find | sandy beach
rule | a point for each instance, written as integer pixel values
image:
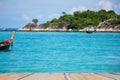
(60, 76)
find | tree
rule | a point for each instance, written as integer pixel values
(80, 20)
(77, 15)
(111, 14)
(35, 21)
(64, 13)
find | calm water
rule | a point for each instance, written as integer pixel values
(61, 52)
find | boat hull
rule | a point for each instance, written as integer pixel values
(5, 44)
(89, 31)
(5, 47)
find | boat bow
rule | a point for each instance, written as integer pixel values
(6, 44)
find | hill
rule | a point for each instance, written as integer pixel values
(99, 20)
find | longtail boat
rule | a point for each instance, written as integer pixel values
(89, 31)
(4, 45)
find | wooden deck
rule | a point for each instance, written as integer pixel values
(60, 76)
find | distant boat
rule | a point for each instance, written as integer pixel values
(89, 31)
(4, 45)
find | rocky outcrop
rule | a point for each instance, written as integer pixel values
(62, 25)
(108, 26)
(28, 27)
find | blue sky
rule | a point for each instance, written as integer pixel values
(16, 13)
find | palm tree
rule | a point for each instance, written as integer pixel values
(35, 21)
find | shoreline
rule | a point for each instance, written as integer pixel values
(55, 31)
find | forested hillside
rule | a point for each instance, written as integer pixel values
(79, 20)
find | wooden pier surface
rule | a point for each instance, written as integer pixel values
(60, 76)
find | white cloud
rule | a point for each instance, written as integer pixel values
(105, 4)
(25, 17)
(38, 17)
(80, 8)
(53, 16)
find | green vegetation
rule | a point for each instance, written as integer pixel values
(80, 20)
(35, 21)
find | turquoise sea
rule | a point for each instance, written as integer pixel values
(61, 52)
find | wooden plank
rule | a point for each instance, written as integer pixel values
(59, 76)
(11, 76)
(45, 76)
(111, 76)
(76, 76)
(86, 76)
(98, 77)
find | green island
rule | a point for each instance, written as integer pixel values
(101, 20)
